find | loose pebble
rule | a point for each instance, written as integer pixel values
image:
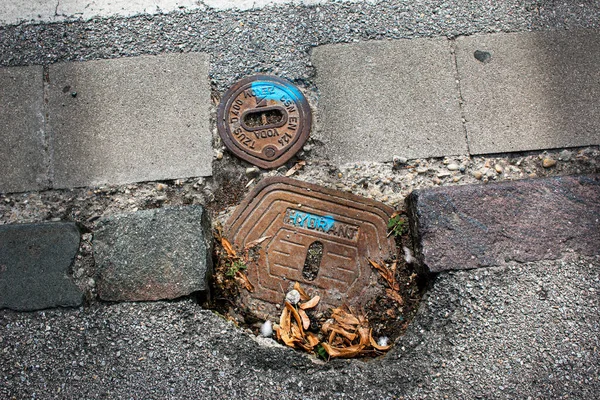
(400, 160)
(292, 297)
(266, 329)
(548, 162)
(498, 168)
(477, 175)
(453, 167)
(252, 171)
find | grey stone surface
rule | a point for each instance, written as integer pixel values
(538, 90)
(470, 226)
(133, 119)
(22, 147)
(383, 98)
(517, 331)
(35, 262)
(153, 254)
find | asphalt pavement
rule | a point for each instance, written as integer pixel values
(517, 331)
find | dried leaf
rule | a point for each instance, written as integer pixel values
(313, 340)
(344, 317)
(228, 248)
(306, 346)
(256, 242)
(310, 304)
(305, 319)
(297, 333)
(246, 282)
(287, 339)
(295, 168)
(395, 296)
(348, 335)
(393, 268)
(285, 320)
(386, 274)
(277, 330)
(344, 352)
(375, 345)
(303, 295)
(332, 335)
(327, 325)
(364, 334)
(296, 316)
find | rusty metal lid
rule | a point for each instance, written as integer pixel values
(319, 237)
(264, 120)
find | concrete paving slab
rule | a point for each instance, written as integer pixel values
(153, 254)
(538, 90)
(384, 98)
(471, 226)
(34, 265)
(130, 119)
(22, 143)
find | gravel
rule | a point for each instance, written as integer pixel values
(515, 331)
(278, 39)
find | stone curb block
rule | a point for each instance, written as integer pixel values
(35, 260)
(153, 254)
(471, 226)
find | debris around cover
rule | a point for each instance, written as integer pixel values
(345, 334)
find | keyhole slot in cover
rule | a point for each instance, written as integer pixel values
(313, 261)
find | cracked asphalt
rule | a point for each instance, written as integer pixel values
(516, 331)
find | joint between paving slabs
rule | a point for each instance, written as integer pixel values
(47, 135)
(461, 100)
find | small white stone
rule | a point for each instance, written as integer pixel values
(251, 171)
(408, 256)
(383, 341)
(293, 297)
(266, 329)
(453, 167)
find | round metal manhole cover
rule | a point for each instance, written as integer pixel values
(264, 120)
